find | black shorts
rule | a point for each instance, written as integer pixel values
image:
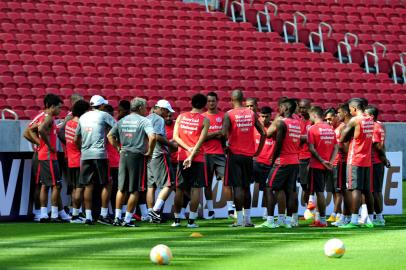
(215, 164)
(283, 177)
(193, 177)
(94, 171)
(160, 173)
(73, 177)
(318, 179)
(260, 174)
(49, 174)
(239, 170)
(132, 172)
(35, 170)
(304, 174)
(359, 178)
(378, 171)
(340, 177)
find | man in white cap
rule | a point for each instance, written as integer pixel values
(160, 174)
(90, 136)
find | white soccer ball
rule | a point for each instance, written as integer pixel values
(334, 248)
(160, 254)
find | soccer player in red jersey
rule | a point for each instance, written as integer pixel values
(285, 163)
(73, 156)
(359, 159)
(379, 160)
(43, 133)
(214, 153)
(190, 132)
(323, 146)
(238, 127)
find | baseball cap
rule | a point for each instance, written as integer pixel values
(97, 100)
(164, 104)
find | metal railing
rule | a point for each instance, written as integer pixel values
(340, 54)
(320, 35)
(294, 25)
(268, 21)
(3, 114)
(354, 36)
(241, 4)
(375, 47)
(394, 74)
(375, 56)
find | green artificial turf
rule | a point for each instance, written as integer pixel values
(73, 246)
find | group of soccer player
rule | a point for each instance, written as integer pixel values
(122, 163)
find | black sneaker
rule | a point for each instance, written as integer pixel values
(44, 220)
(89, 222)
(128, 224)
(210, 215)
(56, 220)
(82, 216)
(76, 219)
(117, 222)
(155, 217)
(105, 220)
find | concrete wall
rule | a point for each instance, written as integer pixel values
(11, 139)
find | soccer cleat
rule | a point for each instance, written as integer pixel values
(89, 222)
(249, 225)
(236, 225)
(191, 226)
(266, 224)
(368, 225)
(76, 219)
(55, 220)
(105, 220)
(295, 223)
(349, 226)
(311, 206)
(231, 214)
(136, 217)
(128, 224)
(286, 225)
(210, 215)
(44, 219)
(155, 217)
(145, 218)
(117, 221)
(332, 219)
(318, 224)
(379, 223)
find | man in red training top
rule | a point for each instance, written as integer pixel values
(190, 132)
(238, 127)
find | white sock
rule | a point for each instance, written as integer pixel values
(270, 219)
(323, 220)
(230, 206)
(281, 218)
(104, 212)
(311, 198)
(182, 211)
(44, 212)
(118, 213)
(247, 215)
(149, 210)
(193, 215)
(210, 205)
(144, 210)
(354, 218)
(54, 211)
(89, 214)
(379, 217)
(177, 215)
(334, 214)
(63, 214)
(295, 217)
(124, 208)
(317, 216)
(364, 211)
(240, 217)
(36, 212)
(371, 218)
(128, 217)
(80, 210)
(342, 218)
(288, 220)
(158, 205)
(347, 219)
(75, 212)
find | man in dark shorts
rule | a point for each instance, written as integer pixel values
(379, 161)
(160, 174)
(281, 183)
(73, 155)
(214, 152)
(190, 132)
(129, 137)
(359, 131)
(91, 136)
(238, 127)
(323, 146)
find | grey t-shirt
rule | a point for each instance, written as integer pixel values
(131, 132)
(93, 127)
(158, 123)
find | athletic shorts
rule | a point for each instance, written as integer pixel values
(239, 170)
(94, 171)
(283, 177)
(49, 174)
(132, 172)
(358, 178)
(377, 175)
(160, 173)
(340, 177)
(318, 179)
(215, 164)
(193, 177)
(304, 173)
(73, 177)
(260, 174)
(35, 168)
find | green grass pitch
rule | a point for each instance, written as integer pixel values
(73, 246)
